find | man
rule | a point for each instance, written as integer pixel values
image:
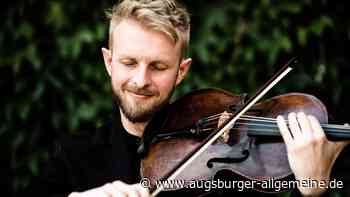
(146, 61)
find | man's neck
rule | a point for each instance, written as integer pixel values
(133, 128)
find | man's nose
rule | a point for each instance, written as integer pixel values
(142, 76)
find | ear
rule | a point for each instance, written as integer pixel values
(183, 69)
(107, 57)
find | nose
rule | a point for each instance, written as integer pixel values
(141, 77)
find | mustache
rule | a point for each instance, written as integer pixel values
(146, 90)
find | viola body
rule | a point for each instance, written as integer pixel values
(253, 152)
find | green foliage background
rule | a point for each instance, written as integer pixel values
(54, 83)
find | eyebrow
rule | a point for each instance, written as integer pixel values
(160, 62)
(127, 57)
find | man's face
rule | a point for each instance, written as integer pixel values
(145, 67)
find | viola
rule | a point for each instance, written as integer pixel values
(254, 150)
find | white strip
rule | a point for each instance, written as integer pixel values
(227, 127)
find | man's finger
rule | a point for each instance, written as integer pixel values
(127, 189)
(111, 191)
(294, 126)
(284, 130)
(316, 127)
(304, 123)
(142, 191)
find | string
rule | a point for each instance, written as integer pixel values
(275, 127)
(267, 129)
(264, 120)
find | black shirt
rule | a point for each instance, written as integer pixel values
(99, 157)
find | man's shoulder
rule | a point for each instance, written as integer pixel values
(84, 141)
(75, 162)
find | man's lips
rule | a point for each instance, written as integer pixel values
(139, 95)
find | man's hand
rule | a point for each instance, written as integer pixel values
(311, 156)
(115, 189)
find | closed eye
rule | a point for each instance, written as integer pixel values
(128, 62)
(159, 66)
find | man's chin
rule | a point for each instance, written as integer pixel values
(144, 112)
(138, 116)
(145, 108)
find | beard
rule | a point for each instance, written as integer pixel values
(140, 111)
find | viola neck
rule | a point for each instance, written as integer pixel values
(333, 132)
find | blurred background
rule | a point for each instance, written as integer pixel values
(53, 81)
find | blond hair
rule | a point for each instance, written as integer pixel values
(166, 16)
